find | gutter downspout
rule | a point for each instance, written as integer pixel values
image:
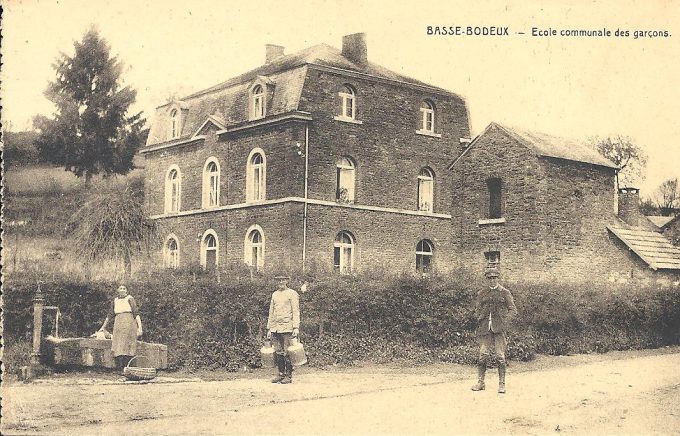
(304, 214)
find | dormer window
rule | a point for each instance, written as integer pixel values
(427, 116)
(348, 99)
(257, 102)
(175, 127)
(427, 123)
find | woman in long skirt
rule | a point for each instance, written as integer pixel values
(127, 327)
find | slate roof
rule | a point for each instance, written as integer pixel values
(553, 146)
(228, 100)
(660, 220)
(228, 103)
(650, 246)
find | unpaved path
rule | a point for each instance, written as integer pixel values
(620, 393)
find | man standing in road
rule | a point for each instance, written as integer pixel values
(283, 325)
(495, 309)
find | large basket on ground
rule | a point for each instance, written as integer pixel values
(137, 373)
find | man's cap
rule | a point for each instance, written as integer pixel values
(491, 272)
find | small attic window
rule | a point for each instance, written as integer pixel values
(175, 126)
(427, 116)
(348, 98)
(257, 102)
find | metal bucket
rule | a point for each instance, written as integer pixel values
(267, 355)
(296, 353)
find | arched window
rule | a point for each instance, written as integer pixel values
(173, 190)
(427, 116)
(256, 176)
(171, 252)
(425, 190)
(175, 127)
(348, 99)
(344, 180)
(424, 254)
(209, 250)
(257, 102)
(343, 253)
(211, 183)
(495, 188)
(253, 254)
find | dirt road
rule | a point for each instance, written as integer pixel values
(617, 393)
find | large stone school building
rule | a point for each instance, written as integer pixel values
(324, 161)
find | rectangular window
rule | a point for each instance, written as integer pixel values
(349, 108)
(494, 187)
(342, 259)
(211, 260)
(423, 262)
(345, 184)
(174, 204)
(213, 191)
(425, 194)
(493, 258)
(257, 177)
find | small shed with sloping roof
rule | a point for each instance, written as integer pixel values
(654, 249)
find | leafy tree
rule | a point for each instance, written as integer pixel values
(112, 223)
(648, 207)
(19, 148)
(629, 157)
(668, 196)
(91, 132)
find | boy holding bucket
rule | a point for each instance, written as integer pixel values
(283, 325)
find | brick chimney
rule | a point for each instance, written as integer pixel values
(629, 206)
(272, 52)
(354, 48)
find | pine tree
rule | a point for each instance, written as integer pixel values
(91, 131)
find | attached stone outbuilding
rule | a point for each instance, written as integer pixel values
(543, 207)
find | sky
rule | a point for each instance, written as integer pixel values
(575, 87)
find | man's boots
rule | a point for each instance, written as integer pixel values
(288, 373)
(280, 363)
(501, 378)
(481, 369)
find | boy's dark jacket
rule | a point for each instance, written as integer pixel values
(500, 304)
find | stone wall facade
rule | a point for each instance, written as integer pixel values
(554, 216)
(388, 152)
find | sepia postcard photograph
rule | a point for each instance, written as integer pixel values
(333, 217)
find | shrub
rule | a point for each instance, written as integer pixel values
(350, 319)
(15, 354)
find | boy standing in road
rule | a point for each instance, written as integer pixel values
(495, 310)
(283, 325)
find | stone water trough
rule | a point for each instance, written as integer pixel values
(93, 352)
(88, 352)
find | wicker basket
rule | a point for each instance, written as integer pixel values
(138, 373)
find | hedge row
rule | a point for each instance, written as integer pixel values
(349, 319)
